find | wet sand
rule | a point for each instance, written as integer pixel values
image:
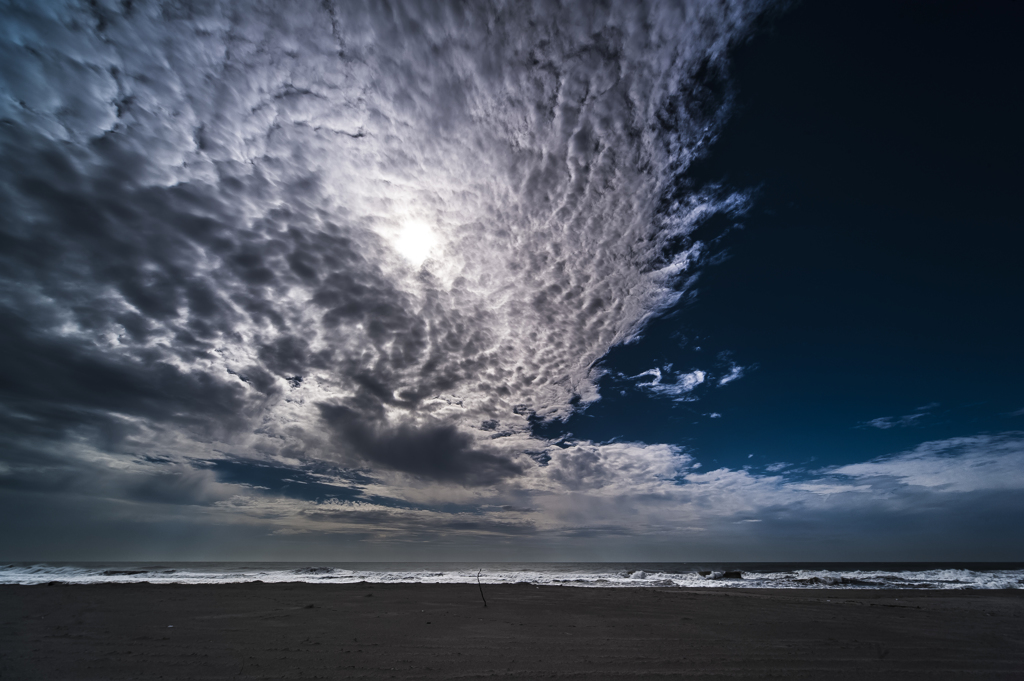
(308, 631)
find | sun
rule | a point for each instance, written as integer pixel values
(415, 240)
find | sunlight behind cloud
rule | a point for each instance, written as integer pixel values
(415, 241)
(409, 248)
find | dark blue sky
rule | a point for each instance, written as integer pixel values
(878, 273)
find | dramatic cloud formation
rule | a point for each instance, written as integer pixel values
(378, 240)
(322, 267)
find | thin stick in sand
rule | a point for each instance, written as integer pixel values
(480, 586)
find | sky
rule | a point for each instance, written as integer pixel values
(511, 281)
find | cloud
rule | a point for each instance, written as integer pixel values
(827, 489)
(321, 269)
(240, 241)
(679, 389)
(438, 452)
(887, 422)
(735, 372)
(965, 464)
(54, 473)
(659, 490)
(318, 270)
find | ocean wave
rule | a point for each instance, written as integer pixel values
(580, 576)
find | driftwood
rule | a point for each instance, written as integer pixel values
(480, 586)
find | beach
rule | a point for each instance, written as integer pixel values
(443, 631)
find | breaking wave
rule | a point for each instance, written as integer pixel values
(561, 574)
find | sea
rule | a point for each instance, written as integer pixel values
(955, 576)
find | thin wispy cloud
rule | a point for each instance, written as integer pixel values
(735, 372)
(887, 422)
(964, 464)
(678, 388)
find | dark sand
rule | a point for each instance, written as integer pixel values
(308, 631)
